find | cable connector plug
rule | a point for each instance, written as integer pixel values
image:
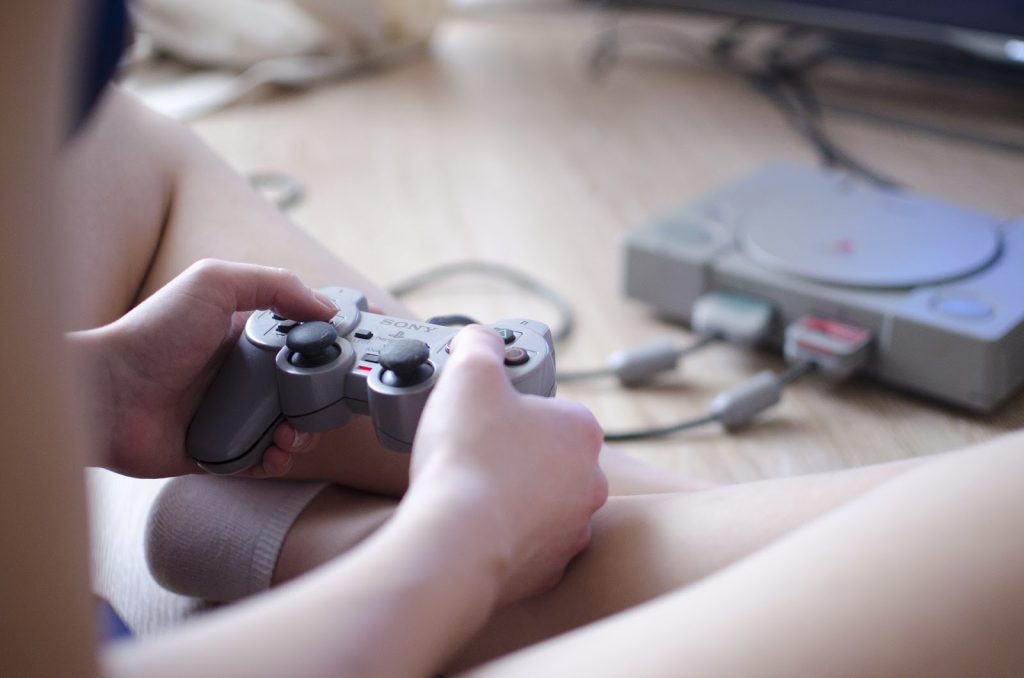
(836, 348)
(735, 317)
(736, 407)
(639, 364)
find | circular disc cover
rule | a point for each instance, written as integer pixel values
(887, 240)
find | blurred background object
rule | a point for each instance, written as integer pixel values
(192, 56)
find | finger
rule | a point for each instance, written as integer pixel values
(290, 439)
(247, 287)
(477, 358)
(476, 341)
(275, 463)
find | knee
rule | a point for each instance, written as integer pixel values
(219, 538)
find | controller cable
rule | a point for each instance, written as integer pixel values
(566, 317)
(779, 78)
(812, 343)
(639, 364)
(733, 409)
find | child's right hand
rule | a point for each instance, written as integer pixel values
(524, 467)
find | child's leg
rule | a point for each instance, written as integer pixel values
(922, 574)
(643, 546)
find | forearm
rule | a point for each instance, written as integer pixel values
(399, 605)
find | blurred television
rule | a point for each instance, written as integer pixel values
(991, 29)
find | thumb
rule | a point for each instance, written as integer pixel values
(477, 359)
(248, 287)
(476, 342)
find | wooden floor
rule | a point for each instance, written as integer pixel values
(499, 146)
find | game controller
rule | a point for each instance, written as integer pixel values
(317, 375)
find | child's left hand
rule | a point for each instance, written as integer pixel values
(148, 370)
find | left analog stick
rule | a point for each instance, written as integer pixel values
(313, 344)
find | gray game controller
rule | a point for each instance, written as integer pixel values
(317, 375)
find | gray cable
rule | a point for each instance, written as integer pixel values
(733, 409)
(510, 275)
(648, 433)
(639, 364)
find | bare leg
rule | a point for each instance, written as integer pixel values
(643, 546)
(339, 517)
(919, 576)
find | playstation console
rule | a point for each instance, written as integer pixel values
(939, 287)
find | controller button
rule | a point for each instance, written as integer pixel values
(507, 335)
(405, 363)
(286, 327)
(277, 317)
(363, 334)
(962, 305)
(371, 358)
(313, 344)
(515, 356)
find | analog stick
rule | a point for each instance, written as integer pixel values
(405, 363)
(313, 344)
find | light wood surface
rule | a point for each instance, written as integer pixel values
(498, 146)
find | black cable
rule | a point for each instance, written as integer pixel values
(780, 80)
(1000, 144)
(794, 99)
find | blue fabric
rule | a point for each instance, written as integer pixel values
(106, 35)
(109, 623)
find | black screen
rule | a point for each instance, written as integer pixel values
(919, 19)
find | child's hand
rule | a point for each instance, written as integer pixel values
(522, 468)
(148, 370)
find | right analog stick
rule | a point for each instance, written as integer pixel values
(405, 363)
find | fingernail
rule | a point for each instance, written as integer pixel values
(325, 301)
(300, 440)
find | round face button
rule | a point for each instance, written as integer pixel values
(515, 356)
(507, 335)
